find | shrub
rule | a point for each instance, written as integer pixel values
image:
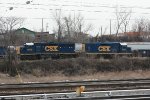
(75, 66)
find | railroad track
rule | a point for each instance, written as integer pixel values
(70, 86)
(136, 94)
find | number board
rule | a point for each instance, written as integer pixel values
(51, 48)
(104, 48)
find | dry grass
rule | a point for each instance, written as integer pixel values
(76, 69)
(4, 78)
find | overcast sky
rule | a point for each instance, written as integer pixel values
(96, 12)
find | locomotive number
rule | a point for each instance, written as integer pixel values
(51, 48)
(104, 48)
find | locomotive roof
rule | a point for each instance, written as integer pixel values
(139, 45)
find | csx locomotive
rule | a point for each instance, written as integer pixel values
(63, 50)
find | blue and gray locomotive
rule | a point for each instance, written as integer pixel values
(65, 50)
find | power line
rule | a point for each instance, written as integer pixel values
(66, 1)
(63, 5)
(39, 18)
(79, 5)
(69, 1)
(79, 10)
(73, 10)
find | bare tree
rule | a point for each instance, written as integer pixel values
(7, 27)
(139, 25)
(8, 38)
(72, 29)
(68, 24)
(127, 21)
(59, 29)
(80, 28)
(123, 18)
(148, 31)
(142, 28)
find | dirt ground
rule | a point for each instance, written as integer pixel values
(4, 78)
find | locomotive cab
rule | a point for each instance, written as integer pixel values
(124, 48)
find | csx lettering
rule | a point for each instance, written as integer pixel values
(51, 48)
(104, 48)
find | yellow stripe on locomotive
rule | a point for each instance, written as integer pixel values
(51, 48)
(18, 50)
(104, 48)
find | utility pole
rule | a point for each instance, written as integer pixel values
(101, 33)
(42, 25)
(110, 26)
(101, 30)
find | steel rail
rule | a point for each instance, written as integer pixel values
(137, 94)
(133, 97)
(71, 86)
